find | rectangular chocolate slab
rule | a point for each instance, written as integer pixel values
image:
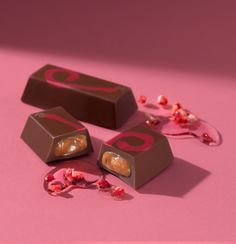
(87, 98)
(54, 135)
(136, 155)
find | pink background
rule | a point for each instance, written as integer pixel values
(184, 49)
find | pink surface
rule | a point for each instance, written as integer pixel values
(185, 51)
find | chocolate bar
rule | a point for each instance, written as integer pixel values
(136, 155)
(87, 98)
(54, 134)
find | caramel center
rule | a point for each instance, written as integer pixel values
(70, 145)
(116, 163)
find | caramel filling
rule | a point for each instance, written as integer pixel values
(70, 145)
(116, 163)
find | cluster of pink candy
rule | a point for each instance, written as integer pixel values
(115, 191)
(182, 116)
(179, 115)
(75, 179)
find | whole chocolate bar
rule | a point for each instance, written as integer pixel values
(54, 134)
(87, 98)
(136, 155)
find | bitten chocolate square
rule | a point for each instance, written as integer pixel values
(87, 98)
(54, 135)
(136, 155)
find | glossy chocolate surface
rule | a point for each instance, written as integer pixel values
(87, 98)
(54, 135)
(146, 152)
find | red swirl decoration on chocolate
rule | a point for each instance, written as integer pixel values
(148, 141)
(60, 119)
(72, 76)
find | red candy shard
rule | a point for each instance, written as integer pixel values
(142, 99)
(151, 120)
(73, 176)
(180, 116)
(103, 184)
(49, 178)
(68, 175)
(77, 175)
(162, 100)
(191, 118)
(205, 138)
(118, 192)
(56, 187)
(175, 107)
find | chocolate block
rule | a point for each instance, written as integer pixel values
(54, 134)
(87, 98)
(136, 155)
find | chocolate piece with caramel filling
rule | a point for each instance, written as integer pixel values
(136, 155)
(54, 135)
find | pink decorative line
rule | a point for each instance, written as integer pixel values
(123, 145)
(60, 119)
(204, 138)
(72, 76)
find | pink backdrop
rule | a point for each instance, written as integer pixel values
(184, 49)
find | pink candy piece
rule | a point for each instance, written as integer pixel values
(142, 99)
(103, 184)
(118, 192)
(162, 100)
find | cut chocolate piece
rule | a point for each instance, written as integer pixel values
(136, 155)
(54, 134)
(87, 98)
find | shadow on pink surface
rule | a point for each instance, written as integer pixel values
(183, 35)
(178, 180)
